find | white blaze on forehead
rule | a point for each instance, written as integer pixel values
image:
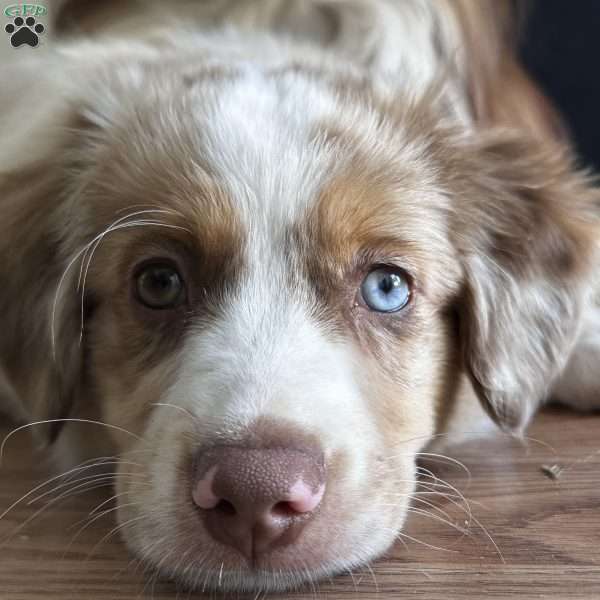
(264, 137)
(260, 142)
(267, 356)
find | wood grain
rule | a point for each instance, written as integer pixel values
(547, 531)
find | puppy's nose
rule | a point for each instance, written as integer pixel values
(258, 499)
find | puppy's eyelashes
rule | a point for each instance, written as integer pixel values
(159, 286)
(386, 289)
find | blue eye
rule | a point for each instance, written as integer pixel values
(386, 289)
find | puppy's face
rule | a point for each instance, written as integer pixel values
(276, 268)
(269, 318)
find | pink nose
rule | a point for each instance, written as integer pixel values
(257, 499)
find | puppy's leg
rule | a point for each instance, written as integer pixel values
(579, 384)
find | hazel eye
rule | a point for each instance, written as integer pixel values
(159, 286)
(386, 289)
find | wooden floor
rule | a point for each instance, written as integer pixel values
(545, 531)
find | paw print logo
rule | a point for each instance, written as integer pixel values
(24, 31)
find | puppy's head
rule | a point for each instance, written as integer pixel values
(274, 280)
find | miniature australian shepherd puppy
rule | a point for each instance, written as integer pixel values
(277, 246)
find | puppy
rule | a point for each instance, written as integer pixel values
(277, 248)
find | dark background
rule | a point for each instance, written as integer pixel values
(560, 46)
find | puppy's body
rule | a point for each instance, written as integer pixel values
(272, 165)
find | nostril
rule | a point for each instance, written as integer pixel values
(225, 508)
(284, 510)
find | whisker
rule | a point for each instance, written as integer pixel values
(98, 476)
(457, 493)
(432, 506)
(368, 567)
(112, 532)
(79, 468)
(413, 539)
(171, 211)
(351, 574)
(144, 555)
(49, 421)
(96, 518)
(482, 433)
(580, 461)
(156, 571)
(180, 408)
(489, 537)
(43, 509)
(443, 458)
(425, 513)
(126, 225)
(111, 499)
(472, 517)
(83, 253)
(110, 228)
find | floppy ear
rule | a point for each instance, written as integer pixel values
(526, 223)
(40, 356)
(526, 232)
(39, 346)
